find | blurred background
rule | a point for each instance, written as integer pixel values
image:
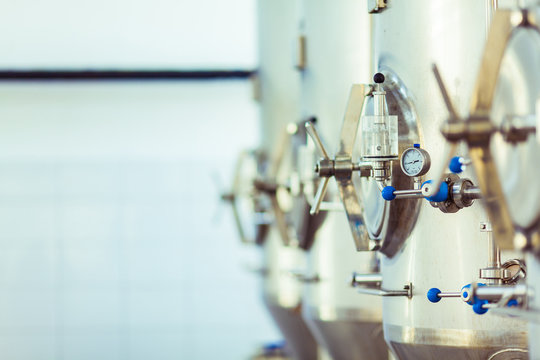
(113, 244)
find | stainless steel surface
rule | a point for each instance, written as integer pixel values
(300, 341)
(384, 220)
(279, 106)
(426, 344)
(282, 294)
(443, 250)
(409, 194)
(341, 319)
(331, 306)
(493, 273)
(366, 340)
(407, 291)
(366, 279)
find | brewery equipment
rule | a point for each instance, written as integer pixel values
(347, 324)
(278, 93)
(436, 201)
(411, 234)
(499, 132)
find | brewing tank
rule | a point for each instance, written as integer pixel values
(443, 250)
(278, 86)
(337, 42)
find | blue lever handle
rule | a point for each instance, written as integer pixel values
(456, 165)
(478, 307)
(441, 195)
(433, 295)
(388, 193)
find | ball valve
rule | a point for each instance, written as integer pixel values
(500, 287)
(452, 194)
(482, 297)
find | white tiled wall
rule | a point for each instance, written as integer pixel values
(111, 242)
(128, 34)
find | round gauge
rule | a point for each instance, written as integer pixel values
(415, 161)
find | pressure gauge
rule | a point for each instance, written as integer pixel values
(415, 161)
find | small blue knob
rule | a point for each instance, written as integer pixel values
(512, 302)
(478, 307)
(440, 196)
(456, 165)
(416, 146)
(433, 295)
(280, 344)
(388, 193)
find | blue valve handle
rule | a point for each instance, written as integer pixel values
(388, 193)
(478, 307)
(433, 295)
(477, 304)
(456, 165)
(441, 195)
(512, 302)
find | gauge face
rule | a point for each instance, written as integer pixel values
(415, 162)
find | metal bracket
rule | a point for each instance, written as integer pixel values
(307, 279)
(407, 291)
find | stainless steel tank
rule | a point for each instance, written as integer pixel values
(443, 250)
(337, 43)
(279, 94)
(515, 114)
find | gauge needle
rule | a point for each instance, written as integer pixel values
(412, 162)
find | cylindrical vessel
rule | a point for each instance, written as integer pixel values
(279, 84)
(443, 250)
(346, 323)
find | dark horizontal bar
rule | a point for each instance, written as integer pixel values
(98, 75)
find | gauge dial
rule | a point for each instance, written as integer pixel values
(415, 161)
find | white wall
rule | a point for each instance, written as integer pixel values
(109, 243)
(127, 33)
